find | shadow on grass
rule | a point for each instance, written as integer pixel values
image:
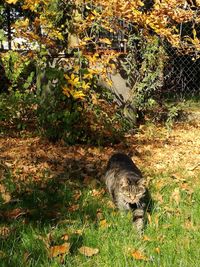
(51, 200)
(37, 208)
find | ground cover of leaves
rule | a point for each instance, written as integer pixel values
(45, 185)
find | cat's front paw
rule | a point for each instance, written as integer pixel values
(138, 219)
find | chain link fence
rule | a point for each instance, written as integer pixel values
(182, 71)
(182, 75)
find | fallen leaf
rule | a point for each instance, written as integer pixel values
(189, 225)
(2, 254)
(73, 208)
(78, 232)
(187, 188)
(111, 204)
(176, 196)
(97, 193)
(91, 182)
(87, 251)
(156, 221)
(149, 218)
(178, 177)
(99, 214)
(4, 194)
(59, 250)
(65, 237)
(14, 214)
(157, 250)
(138, 255)
(158, 197)
(146, 238)
(103, 224)
(77, 195)
(6, 197)
(160, 184)
(26, 257)
(4, 231)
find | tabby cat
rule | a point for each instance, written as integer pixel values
(126, 186)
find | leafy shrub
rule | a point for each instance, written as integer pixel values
(17, 109)
(19, 69)
(104, 119)
(72, 107)
(143, 67)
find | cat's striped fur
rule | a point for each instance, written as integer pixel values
(126, 186)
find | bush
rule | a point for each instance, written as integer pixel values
(144, 67)
(19, 70)
(72, 107)
(18, 109)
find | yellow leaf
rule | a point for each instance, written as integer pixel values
(78, 95)
(149, 218)
(59, 250)
(194, 33)
(103, 223)
(66, 77)
(85, 86)
(88, 76)
(11, 1)
(146, 238)
(76, 79)
(157, 250)
(66, 91)
(87, 251)
(105, 41)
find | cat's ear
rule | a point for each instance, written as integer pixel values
(124, 182)
(141, 182)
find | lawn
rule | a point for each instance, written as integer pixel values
(56, 212)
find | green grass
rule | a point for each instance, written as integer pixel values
(171, 237)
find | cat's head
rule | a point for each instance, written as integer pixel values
(132, 191)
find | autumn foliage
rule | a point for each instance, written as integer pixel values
(83, 31)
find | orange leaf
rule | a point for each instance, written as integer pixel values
(103, 223)
(87, 251)
(97, 193)
(137, 255)
(73, 208)
(59, 250)
(14, 214)
(77, 195)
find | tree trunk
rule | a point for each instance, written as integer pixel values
(9, 35)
